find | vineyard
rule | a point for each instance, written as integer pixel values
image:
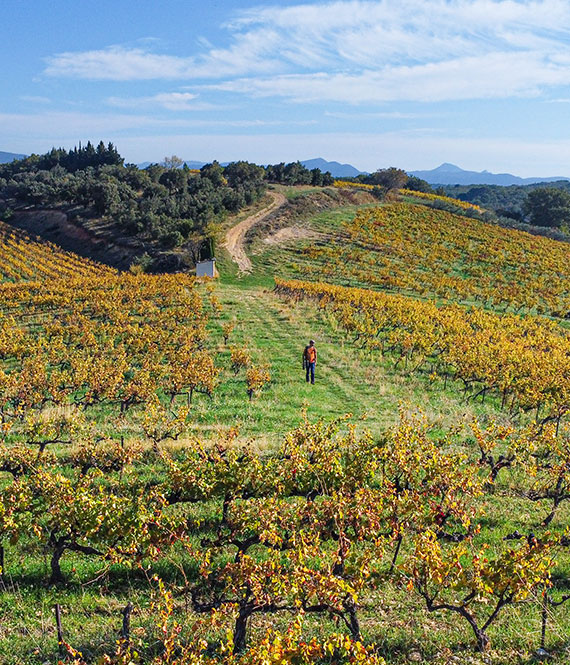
(525, 360)
(417, 250)
(173, 492)
(22, 259)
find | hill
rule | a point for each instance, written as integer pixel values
(416, 250)
(23, 259)
(508, 202)
(336, 169)
(449, 174)
(166, 218)
(6, 157)
(108, 211)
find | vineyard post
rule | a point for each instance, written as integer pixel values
(60, 645)
(544, 618)
(396, 552)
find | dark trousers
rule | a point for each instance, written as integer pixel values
(311, 371)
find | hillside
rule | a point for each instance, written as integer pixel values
(416, 250)
(161, 448)
(23, 258)
(497, 197)
(163, 218)
(87, 200)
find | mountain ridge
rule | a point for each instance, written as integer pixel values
(336, 169)
(450, 174)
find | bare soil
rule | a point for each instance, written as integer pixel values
(301, 208)
(235, 236)
(290, 233)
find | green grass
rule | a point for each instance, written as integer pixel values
(349, 379)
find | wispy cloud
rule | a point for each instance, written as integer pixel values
(359, 51)
(491, 76)
(252, 54)
(57, 124)
(35, 99)
(171, 101)
(117, 63)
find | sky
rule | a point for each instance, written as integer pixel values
(484, 84)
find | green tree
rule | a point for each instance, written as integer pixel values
(547, 206)
(391, 178)
(418, 185)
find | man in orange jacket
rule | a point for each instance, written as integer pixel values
(310, 360)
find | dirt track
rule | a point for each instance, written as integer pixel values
(236, 235)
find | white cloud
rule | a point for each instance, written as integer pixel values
(57, 124)
(495, 75)
(35, 99)
(353, 35)
(252, 54)
(171, 101)
(117, 64)
(388, 31)
(355, 52)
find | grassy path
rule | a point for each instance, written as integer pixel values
(348, 379)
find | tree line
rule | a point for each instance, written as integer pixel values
(536, 205)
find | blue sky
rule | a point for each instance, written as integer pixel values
(484, 84)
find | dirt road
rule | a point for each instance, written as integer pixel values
(236, 235)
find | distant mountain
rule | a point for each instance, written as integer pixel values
(449, 174)
(6, 157)
(336, 169)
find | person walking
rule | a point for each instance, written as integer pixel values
(310, 360)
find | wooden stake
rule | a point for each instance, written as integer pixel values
(61, 648)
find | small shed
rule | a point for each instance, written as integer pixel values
(207, 268)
